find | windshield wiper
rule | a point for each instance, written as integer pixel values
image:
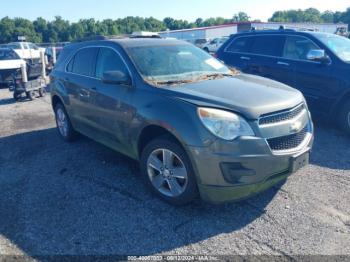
(173, 82)
(215, 75)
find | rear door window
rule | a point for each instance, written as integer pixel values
(269, 45)
(83, 62)
(297, 47)
(109, 60)
(240, 45)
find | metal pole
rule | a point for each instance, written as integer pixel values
(54, 58)
(24, 73)
(43, 65)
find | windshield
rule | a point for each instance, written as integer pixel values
(175, 63)
(8, 55)
(339, 45)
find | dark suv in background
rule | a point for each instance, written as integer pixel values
(317, 64)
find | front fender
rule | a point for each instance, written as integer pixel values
(178, 117)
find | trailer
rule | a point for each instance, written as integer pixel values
(30, 88)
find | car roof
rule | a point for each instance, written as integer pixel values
(130, 42)
(136, 42)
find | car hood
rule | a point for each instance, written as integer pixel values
(249, 95)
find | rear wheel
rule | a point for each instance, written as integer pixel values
(167, 171)
(344, 118)
(206, 49)
(42, 92)
(30, 95)
(64, 126)
(16, 96)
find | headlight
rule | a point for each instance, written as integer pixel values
(224, 124)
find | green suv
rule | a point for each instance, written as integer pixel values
(196, 126)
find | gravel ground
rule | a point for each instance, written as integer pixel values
(84, 199)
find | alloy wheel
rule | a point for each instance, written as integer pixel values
(62, 122)
(167, 172)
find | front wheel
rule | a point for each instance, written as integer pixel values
(64, 126)
(344, 118)
(167, 171)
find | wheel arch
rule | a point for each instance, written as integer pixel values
(339, 104)
(153, 131)
(55, 99)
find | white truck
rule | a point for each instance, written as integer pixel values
(12, 67)
(9, 63)
(26, 50)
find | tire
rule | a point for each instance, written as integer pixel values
(42, 92)
(30, 95)
(16, 96)
(344, 118)
(206, 49)
(174, 181)
(64, 125)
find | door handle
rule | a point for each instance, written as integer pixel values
(282, 63)
(93, 88)
(245, 58)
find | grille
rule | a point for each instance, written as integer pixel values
(287, 142)
(282, 116)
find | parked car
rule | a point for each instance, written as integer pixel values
(9, 63)
(317, 64)
(26, 50)
(200, 42)
(193, 124)
(214, 45)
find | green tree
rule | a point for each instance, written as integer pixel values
(327, 17)
(241, 17)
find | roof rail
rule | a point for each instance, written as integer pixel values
(254, 29)
(101, 38)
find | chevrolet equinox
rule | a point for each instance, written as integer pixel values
(196, 126)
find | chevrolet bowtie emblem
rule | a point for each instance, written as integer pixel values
(295, 127)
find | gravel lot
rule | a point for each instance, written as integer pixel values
(84, 199)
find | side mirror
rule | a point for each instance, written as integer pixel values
(318, 55)
(116, 78)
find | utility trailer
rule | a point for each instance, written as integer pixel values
(24, 87)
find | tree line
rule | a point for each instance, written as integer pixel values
(61, 30)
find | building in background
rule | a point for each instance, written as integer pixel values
(193, 34)
(208, 33)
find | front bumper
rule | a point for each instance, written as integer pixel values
(231, 171)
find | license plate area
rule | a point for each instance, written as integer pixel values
(299, 162)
